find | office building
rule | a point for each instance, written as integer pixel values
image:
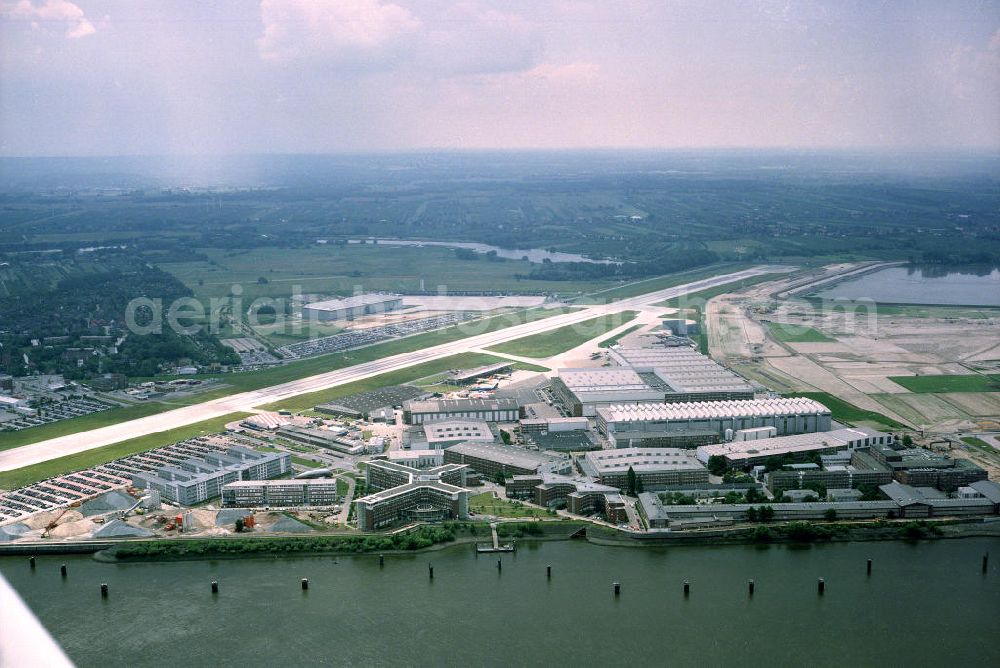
(442, 433)
(408, 494)
(435, 410)
(491, 459)
(654, 468)
(280, 493)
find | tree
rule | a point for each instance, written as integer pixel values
(262, 280)
(753, 496)
(505, 436)
(830, 515)
(239, 525)
(907, 441)
(766, 513)
(752, 514)
(717, 465)
(638, 485)
(630, 482)
(500, 477)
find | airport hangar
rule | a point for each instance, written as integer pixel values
(351, 307)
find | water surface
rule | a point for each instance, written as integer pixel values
(968, 286)
(926, 603)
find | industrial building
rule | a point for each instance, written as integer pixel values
(682, 326)
(489, 459)
(443, 433)
(406, 493)
(190, 481)
(583, 391)
(654, 468)
(375, 405)
(744, 453)
(491, 410)
(922, 468)
(861, 471)
(553, 425)
(280, 493)
(351, 307)
(684, 374)
(323, 437)
(707, 422)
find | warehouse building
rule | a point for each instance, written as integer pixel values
(583, 391)
(740, 453)
(408, 494)
(192, 481)
(683, 374)
(490, 459)
(280, 493)
(350, 307)
(706, 422)
(491, 410)
(654, 468)
(553, 425)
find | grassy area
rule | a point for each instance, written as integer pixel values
(306, 401)
(244, 382)
(560, 340)
(30, 474)
(308, 463)
(979, 444)
(944, 383)
(342, 487)
(797, 333)
(848, 412)
(487, 504)
(607, 343)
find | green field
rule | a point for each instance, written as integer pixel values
(979, 444)
(944, 383)
(487, 504)
(235, 383)
(30, 474)
(551, 343)
(797, 334)
(849, 413)
(607, 343)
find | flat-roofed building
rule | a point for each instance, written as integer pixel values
(489, 459)
(469, 376)
(419, 459)
(405, 493)
(351, 307)
(503, 409)
(280, 493)
(705, 422)
(746, 453)
(919, 467)
(441, 433)
(683, 374)
(654, 467)
(583, 391)
(321, 437)
(553, 424)
(861, 471)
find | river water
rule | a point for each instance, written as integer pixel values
(960, 285)
(925, 603)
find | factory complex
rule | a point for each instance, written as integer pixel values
(351, 307)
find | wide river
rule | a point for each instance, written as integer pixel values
(926, 603)
(963, 286)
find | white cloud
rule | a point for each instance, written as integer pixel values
(338, 29)
(60, 11)
(369, 35)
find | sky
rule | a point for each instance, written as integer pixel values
(138, 77)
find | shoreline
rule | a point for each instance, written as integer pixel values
(284, 546)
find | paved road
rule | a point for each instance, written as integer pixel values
(247, 401)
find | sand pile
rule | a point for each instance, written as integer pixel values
(200, 519)
(73, 529)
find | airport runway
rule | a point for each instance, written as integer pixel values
(74, 443)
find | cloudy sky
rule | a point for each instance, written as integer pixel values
(105, 77)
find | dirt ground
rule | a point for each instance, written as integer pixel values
(866, 349)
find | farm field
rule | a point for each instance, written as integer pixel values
(547, 344)
(849, 413)
(948, 383)
(797, 334)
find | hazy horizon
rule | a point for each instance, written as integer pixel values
(319, 77)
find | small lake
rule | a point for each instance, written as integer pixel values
(537, 255)
(969, 286)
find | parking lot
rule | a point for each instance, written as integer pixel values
(55, 411)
